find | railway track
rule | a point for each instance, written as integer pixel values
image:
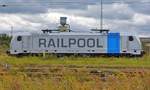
(53, 71)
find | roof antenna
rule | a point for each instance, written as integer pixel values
(101, 16)
(101, 30)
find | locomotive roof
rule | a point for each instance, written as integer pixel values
(71, 33)
(75, 33)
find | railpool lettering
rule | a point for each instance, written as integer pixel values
(81, 43)
(42, 42)
(51, 43)
(91, 43)
(71, 42)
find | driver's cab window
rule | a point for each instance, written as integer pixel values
(131, 38)
(19, 38)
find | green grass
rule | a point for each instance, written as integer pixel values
(78, 61)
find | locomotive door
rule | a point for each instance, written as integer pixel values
(113, 43)
(26, 43)
(124, 44)
(18, 45)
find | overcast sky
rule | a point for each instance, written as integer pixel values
(125, 16)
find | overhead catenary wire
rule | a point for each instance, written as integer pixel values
(75, 1)
(43, 3)
(48, 3)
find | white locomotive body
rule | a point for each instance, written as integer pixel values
(72, 43)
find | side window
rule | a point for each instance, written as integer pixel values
(131, 38)
(19, 38)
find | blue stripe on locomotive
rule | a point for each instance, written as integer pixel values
(113, 43)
